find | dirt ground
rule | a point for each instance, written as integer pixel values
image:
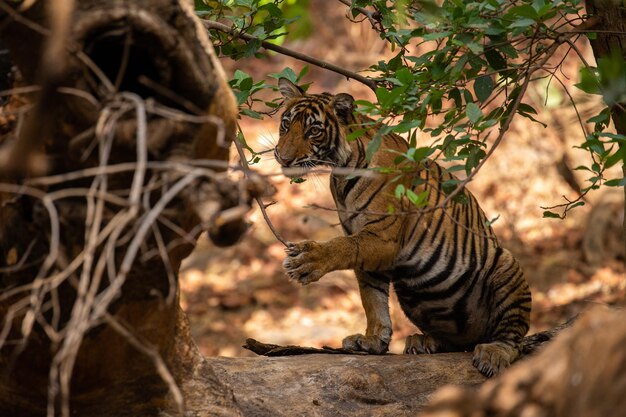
(239, 292)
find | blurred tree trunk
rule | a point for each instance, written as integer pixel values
(71, 313)
(582, 373)
(610, 42)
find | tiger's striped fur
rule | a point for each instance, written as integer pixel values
(452, 278)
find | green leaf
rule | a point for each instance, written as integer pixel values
(287, 73)
(618, 156)
(304, 71)
(603, 117)
(617, 182)
(525, 10)
(495, 60)
(417, 199)
(272, 9)
(252, 113)
(449, 186)
(437, 35)
(373, 146)
(417, 154)
(526, 108)
(404, 76)
(522, 23)
(551, 215)
(616, 137)
(589, 81)
(474, 113)
(483, 87)
(355, 135)
(386, 98)
(455, 94)
(467, 95)
(201, 6)
(400, 190)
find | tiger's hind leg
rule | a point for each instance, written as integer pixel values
(374, 289)
(492, 358)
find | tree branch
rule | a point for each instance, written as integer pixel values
(209, 24)
(373, 17)
(246, 169)
(267, 349)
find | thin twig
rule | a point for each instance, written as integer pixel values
(247, 172)
(373, 17)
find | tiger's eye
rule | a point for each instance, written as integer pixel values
(314, 131)
(284, 125)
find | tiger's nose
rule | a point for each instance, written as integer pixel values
(281, 159)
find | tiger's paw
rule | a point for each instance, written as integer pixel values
(304, 262)
(492, 358)
(370, 344)
(419, 343)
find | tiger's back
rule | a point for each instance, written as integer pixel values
(452, 278)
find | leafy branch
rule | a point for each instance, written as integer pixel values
(460, 74)
(209, 24)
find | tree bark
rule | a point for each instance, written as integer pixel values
(91, 324)
(610, 41)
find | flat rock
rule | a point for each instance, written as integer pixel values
(342, 385)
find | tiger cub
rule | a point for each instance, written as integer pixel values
(452, 278)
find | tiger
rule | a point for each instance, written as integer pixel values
(452, 278)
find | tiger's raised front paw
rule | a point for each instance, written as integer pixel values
(370, 344)
(492, 358)
(305, 262)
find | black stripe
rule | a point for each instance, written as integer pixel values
(372, 196)
(461, 304)
(519, 303)
(367, 203)
(349, 186)
(360, 155)
(380, 219)
(516, 287)
(514, 325)
(443, 275)
(417, 245)
(414, 298)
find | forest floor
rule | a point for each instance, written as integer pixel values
(239, 292)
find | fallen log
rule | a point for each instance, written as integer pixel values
(342, 385)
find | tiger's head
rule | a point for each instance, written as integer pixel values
(312, 130)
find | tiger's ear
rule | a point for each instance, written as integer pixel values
(288, 89)
(343, 105)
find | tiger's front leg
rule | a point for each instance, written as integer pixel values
(308, 261)
(305, 262)
(374, 289)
